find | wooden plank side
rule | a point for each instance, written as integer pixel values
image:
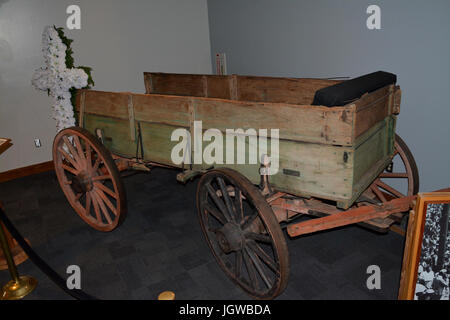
(148, 82)
(372, 149)
(306, 169)
(371, 108)
(218, 87)
(244, 88)
(324, 170)
(302, 123)
(372, 154)
(286, 90)
(170, 110)
(177, 84)
(156, 139)
(112, 104)
(116, 134)
(397, 100)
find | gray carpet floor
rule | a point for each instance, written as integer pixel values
(160, 247)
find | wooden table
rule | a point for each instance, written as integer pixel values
(16, 251)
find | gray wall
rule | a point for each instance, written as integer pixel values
(325, 38)
(118, 39)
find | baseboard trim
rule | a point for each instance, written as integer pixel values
(26, 171)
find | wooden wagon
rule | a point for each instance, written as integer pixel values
(335, 163)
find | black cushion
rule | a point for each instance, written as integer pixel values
(347, 91)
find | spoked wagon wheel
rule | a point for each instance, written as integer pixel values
(243, 233)
(401, 178)
(89, 178)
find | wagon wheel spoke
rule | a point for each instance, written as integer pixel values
(226, 196)
(389, 188)
(102, 207)
(259, 267)
(72, 150)
(249, 220)
(96, 164)
(378, 193)
(251, 270)
(69, 158)
(238, 205)
(105, 189)
(70, 169)
(215, 213)
(238, 264)
(105, 199)
(258, 237)
(96, 209)
(103, 177)
(218, 202)
(79, 147)
(252, 245)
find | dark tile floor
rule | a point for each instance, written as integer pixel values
(160, 247)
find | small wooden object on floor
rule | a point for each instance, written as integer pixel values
(166, 295)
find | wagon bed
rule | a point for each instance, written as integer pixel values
(330, 153)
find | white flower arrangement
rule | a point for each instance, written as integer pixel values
(57, 79)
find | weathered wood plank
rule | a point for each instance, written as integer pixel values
(287, 90)
(371, 109)
(157, 144)
(234, 87)
(397, 100)
(218, 87)
(177, 84)
(116, 133)
(322, 171)
(171, 110)
(303, 123)
(370, 150)
(148, 82)
(112, 104)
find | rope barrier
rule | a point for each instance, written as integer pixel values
(40, 263)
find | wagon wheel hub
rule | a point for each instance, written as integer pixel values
(230, 238)
(82, 182)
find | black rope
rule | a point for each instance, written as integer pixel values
(40, 263)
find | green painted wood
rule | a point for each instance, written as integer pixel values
(310, 162)
(156, 139)
(116, 134)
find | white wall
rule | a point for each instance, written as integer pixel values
(118, 39)
(326, 38)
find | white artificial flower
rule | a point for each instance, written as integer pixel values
(57, 79)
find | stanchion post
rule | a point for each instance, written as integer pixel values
(19, 286)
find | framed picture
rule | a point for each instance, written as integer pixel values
(426, 259)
